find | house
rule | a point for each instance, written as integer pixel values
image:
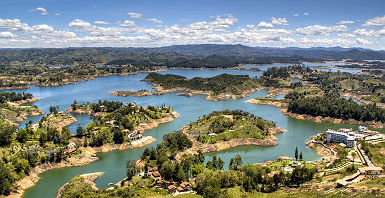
(342, 183)
(362, 129)
(71, 145)
(132, 104)
(70, 151)
(155, 175)
(125, 131)
(370, 170)
(185, 186)
(171, 189)
(134, 135)
(212, 134)
(288, 169)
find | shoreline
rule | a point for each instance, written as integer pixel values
(89, 178)
(23, 114)
(85, 157)
(224, 145)
(268, 101)
(320, 119)
(189, 93)
(87, 153)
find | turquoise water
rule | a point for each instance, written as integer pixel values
(190, 108)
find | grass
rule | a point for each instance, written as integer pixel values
(377, 153)
(378, 183)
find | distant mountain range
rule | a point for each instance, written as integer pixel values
(179, 53)
(241, 50)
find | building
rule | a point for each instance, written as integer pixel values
(362, 129)
(134, 135)
(370, 170)
(345, 136)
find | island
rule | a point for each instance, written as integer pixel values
(216, 88)
(227, 129)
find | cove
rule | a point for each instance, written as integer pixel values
(190, 108)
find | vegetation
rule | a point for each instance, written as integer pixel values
(224, 83)
(13, 96)
(376, 152)
(341, 108)
(226, 125)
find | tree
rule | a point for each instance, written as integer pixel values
(118, 136)
(53, 109)
(296, 153)
(80, 130)
(6, 131)
(300, 156)
(235, 162)
(66, 135)
(200, 157)
(6, 179)
(132, 169)
(21, 136)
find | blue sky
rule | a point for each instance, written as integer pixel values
(152, 23)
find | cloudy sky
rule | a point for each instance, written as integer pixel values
(153, 23)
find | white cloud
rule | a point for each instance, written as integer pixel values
(370, 33)
(265, 24)
(321, 30)
(128, 23)
(346, 35)
(135, 15)
(361, 41)
(296, 14)
(6, 35)
(57, 14)
(345, 22)
(279, 21)
(13, 25)
(377, 21)
(102, 22)
(306, 13)
(154, 20)
(42, 11)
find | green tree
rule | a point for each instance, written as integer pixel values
(132, 169)
(6, 179)
(80, 130)
(300, 156)
(296, 153)
(66, 135)
(53, 109)
(22, 135)
(118, 136)
(235, 162)
(6, 131)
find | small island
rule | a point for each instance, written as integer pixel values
(226, 129)
(217, 88)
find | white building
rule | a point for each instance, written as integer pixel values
(362, 129)
(346, 136)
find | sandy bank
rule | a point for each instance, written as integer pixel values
(377, 125)
(268, 102)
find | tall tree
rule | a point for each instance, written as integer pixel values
(296, 153)
(132, 169)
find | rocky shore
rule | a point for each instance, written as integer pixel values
(377, 125)
(189, 93)
(85, 156)
(206, 148)
(88, 178)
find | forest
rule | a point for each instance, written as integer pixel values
(13, 96)
(224, 83)
(335, 107)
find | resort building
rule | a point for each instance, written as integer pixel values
(343, 136)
